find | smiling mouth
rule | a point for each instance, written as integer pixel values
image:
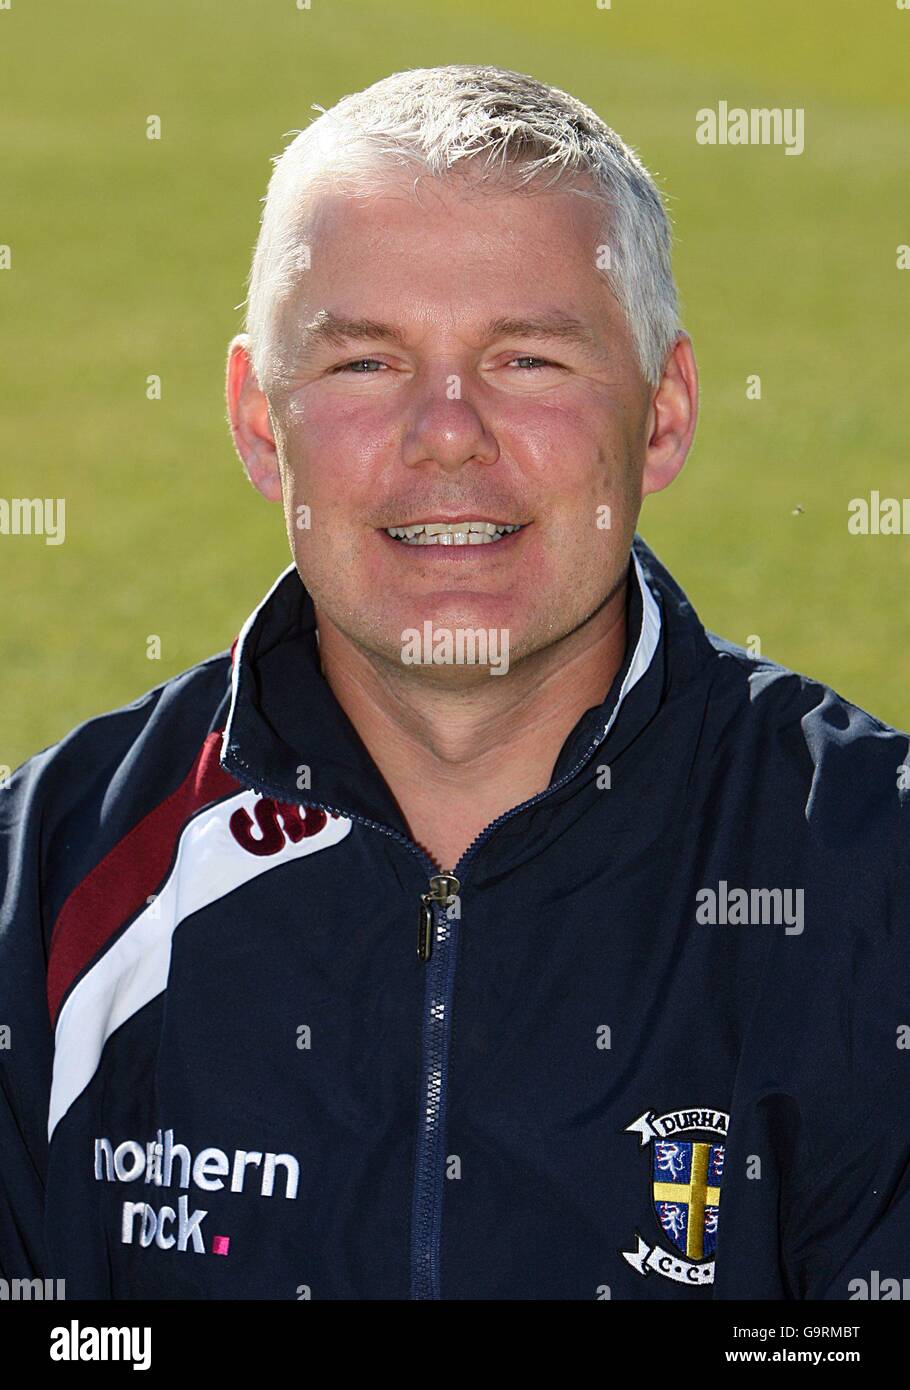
(453, 533)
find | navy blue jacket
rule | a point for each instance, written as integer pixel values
(660, 1048)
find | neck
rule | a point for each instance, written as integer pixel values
(455, 759)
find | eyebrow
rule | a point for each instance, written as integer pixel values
(335, 330)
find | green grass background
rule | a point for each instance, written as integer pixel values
(129, 258)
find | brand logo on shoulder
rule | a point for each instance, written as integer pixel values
(162, 1163)
(685, 1179)
(277, 822)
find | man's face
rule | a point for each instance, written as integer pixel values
(457, 411)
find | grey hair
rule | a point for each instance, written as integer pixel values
(510, 124)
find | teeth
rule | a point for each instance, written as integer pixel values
(451, 533)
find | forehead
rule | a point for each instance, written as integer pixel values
(455, 241)
(452, 215)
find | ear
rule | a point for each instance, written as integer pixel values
(251, 424)
(671, 419)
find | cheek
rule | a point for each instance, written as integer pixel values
(574, 443)
(542, 437)
(590, 508)
(327, 464)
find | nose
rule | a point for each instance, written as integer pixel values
(449, 433)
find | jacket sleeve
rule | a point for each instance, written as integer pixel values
(26, 1039)
(850, 1230)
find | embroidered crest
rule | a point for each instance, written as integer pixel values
(685, 1177)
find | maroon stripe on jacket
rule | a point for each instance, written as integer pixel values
(121, 883)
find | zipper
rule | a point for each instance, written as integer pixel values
(429, 1174)
(435, 928)
(443, 890)
(437, 945)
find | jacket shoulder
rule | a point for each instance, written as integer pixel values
(851, 769)
(69, 805)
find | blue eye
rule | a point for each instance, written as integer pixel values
(359, 362)
(539, 361)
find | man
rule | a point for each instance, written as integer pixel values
(479, 926)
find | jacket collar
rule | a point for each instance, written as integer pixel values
(285, 724)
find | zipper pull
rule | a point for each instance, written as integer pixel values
(443, 889)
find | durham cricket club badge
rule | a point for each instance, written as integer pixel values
(685, 1180)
